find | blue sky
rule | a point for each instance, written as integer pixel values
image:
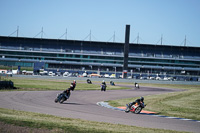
(173, 19)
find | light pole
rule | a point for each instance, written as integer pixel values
(115, 71)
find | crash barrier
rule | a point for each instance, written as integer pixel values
(5, 75)
(6, 85)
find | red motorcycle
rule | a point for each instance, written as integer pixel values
(136, 108)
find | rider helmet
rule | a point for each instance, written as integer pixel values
(142, 99)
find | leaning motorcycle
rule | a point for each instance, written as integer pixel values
(89, 81)
(134, 108)
(137, 86)
(103, 87)
(61, 98)
(112, 83)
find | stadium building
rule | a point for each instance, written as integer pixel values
(62, 55)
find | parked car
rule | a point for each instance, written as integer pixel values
(168, 78)
(9, 73)
(143, 77)
(158, 78)
(165, 78)
(85, 74)
(106, 76)
(65, 74)
(152, 78)
(129, 77)
(51, 73)
(112, 76)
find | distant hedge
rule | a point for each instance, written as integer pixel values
(6, 85)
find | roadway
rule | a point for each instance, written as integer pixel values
(82, 105)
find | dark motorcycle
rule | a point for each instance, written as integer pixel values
(112, 83)
(62, 97)
(89, 81)
(103, 87)
(135, 108)
(137, 86)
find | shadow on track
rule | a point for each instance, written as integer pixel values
(73, 103)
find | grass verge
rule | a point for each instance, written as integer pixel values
(55, 84)
(184, 104)
(179, 104)
(59, 124)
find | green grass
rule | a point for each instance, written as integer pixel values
(174, 86)
(184, 104)
(60, 124)
(52, 84)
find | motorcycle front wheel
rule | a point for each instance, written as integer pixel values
(56, 100)
(127, 109)
(138, 110)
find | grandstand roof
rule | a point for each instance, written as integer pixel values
(61, 41)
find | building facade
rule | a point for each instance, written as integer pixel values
(62, 55)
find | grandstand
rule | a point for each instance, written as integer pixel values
(61, 55)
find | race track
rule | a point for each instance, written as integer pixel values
(82, 104)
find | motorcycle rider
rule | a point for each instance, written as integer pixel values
(67, 91)
(103, 85)
(112, 83)
(137, 101)
(103, 82)
(73, 85)
(136, 85)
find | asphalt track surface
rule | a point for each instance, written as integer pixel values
(82, 105)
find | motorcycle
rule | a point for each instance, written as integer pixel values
(89, 81)
(135, 108)
(62, 97)
(103, 87)
(112, 83)
(137, 86)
